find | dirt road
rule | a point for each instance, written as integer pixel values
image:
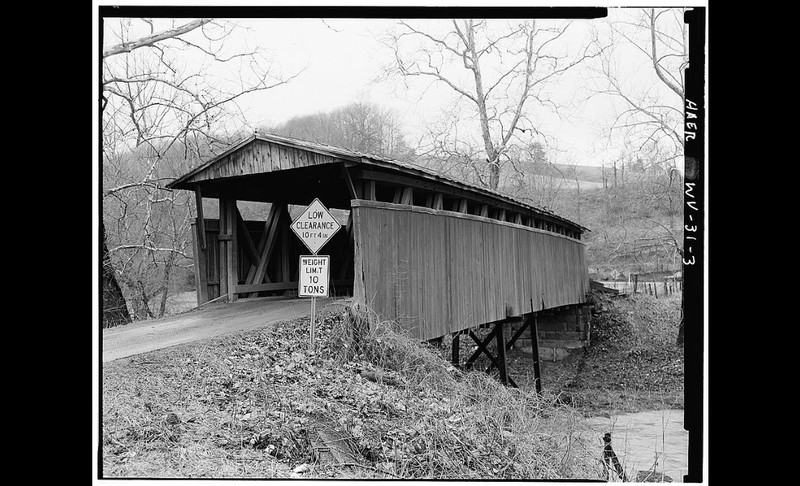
(203, 323)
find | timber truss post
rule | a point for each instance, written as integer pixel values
(228, 254)
(257, 273)
(529, 322)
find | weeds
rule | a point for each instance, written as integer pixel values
(464, 425)
(261, 404)
(360, 335)
(632, 364)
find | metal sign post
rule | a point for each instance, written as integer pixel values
(313, 281)
(315, 226)
(313, 322)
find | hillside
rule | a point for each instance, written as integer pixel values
(634, 227)
(370, 403)
(590, 175)
(584, 173)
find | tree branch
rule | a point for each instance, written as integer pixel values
(674, 87)
(147, 247)
(152, 39)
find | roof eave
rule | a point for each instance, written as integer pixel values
(180, 182)
(495, 195)
(368, 159)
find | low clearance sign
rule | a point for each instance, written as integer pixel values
(315, 226)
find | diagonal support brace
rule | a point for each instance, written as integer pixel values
(500, 360)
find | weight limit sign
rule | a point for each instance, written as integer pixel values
(314, 276)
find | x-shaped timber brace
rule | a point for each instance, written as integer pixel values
(497, 334)
(234, 237)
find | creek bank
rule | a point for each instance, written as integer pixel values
(653, 441)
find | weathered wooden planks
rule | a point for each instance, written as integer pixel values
(231, 246)
(437, 271)
(247, 273)
(200, 258)
(443, 271)
(267, 243)
(258, 157)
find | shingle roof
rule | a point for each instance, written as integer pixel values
(371, 159)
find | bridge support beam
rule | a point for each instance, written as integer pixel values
(500, 361)
(456, 342)
(228, 242)
(498, 336)
(529, 322)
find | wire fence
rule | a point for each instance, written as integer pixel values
(656, 287)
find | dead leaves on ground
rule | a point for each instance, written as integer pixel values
(265, 395)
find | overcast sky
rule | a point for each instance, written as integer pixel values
(340, 59)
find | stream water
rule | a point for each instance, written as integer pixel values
(647, 441)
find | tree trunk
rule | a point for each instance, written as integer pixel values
(165, 292)
(615, 174)
(115, 309)
(494, 174)
(679, 341)
(492, 152)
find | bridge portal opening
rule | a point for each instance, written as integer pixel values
(247, 249)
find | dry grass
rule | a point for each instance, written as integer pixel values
(254, 404)
(361, 335)
(467, 425)
(633, 363)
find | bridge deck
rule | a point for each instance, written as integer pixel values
(210, 320)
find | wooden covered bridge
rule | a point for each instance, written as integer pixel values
(439, 256)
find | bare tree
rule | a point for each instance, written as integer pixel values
(115, 309)
(442, 148)
(361, 126)
(167, 87)
(498, 68)
(650, 115)
(148, 228)
(535, 178)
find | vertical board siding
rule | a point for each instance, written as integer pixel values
(439, 272)
(260, 156)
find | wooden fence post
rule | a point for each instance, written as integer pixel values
(611, 461)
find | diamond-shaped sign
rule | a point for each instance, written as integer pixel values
(315, 226)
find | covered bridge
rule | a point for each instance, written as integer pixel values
(438, 255)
